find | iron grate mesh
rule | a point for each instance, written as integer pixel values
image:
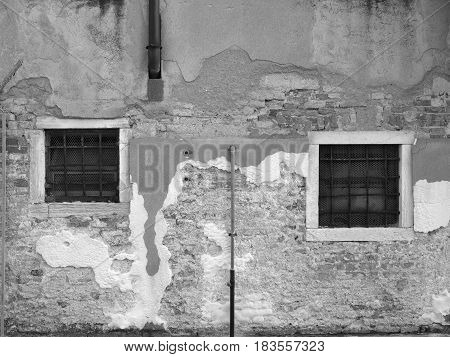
(358, 185)
(82, 165)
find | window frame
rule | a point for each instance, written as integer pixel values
(38, 168)
(404, 230)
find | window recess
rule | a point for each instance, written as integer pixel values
(359, 186)
(82, 165)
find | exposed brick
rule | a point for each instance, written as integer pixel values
(423, 102)
(17, 150)
(21, 183)
(435, 109)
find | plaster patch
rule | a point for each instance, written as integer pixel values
(213, 264)
(255, 308)
(441, 309)
(78, 250)
(269, 169)
(431, 205)
(148, 289)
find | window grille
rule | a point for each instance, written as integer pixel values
(358, 185)
(82, 165)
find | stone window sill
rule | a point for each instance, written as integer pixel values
(59, 210)
(359, 234)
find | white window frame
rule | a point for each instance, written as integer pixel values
(37, 168)
(406, 219)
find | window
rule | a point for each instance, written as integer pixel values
(79, 166)
(359, 186)
(82, 165)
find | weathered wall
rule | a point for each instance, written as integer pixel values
(93, 51)
(262, 71)
(334, 35)
(286, 285)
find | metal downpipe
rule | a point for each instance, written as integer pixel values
(154, 39)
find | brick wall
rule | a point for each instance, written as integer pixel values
(285, 284)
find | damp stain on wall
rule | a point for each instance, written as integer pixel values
(103, 5)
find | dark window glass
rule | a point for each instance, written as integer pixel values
(82, 165)
(358, 185)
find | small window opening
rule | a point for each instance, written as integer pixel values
(82, 165)
(358, 186)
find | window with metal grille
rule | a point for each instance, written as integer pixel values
(82, 165)
(358, 185)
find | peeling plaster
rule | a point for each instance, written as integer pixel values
(431, 205)
(270, 168)
(148, 289)
(66, 248)
(441, 309)
(213, 266)
(249, 308)
(80, 251)
(252, 307)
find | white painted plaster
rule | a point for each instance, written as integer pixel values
(213, 264)
(148, 289)
(431, 205)
(213, 268)
(441, 308)
(269, 169)
(72, 249)
(77, 250)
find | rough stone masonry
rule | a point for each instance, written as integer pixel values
(231, 69)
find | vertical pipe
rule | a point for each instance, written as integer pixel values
(232, 236)
(154, 39)
(2, 318)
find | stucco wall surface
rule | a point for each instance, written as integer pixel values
(338, 36)
(93, 52)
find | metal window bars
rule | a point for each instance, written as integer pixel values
(82, 165)
(358, 185)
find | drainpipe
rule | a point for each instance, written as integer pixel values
(155, 83)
